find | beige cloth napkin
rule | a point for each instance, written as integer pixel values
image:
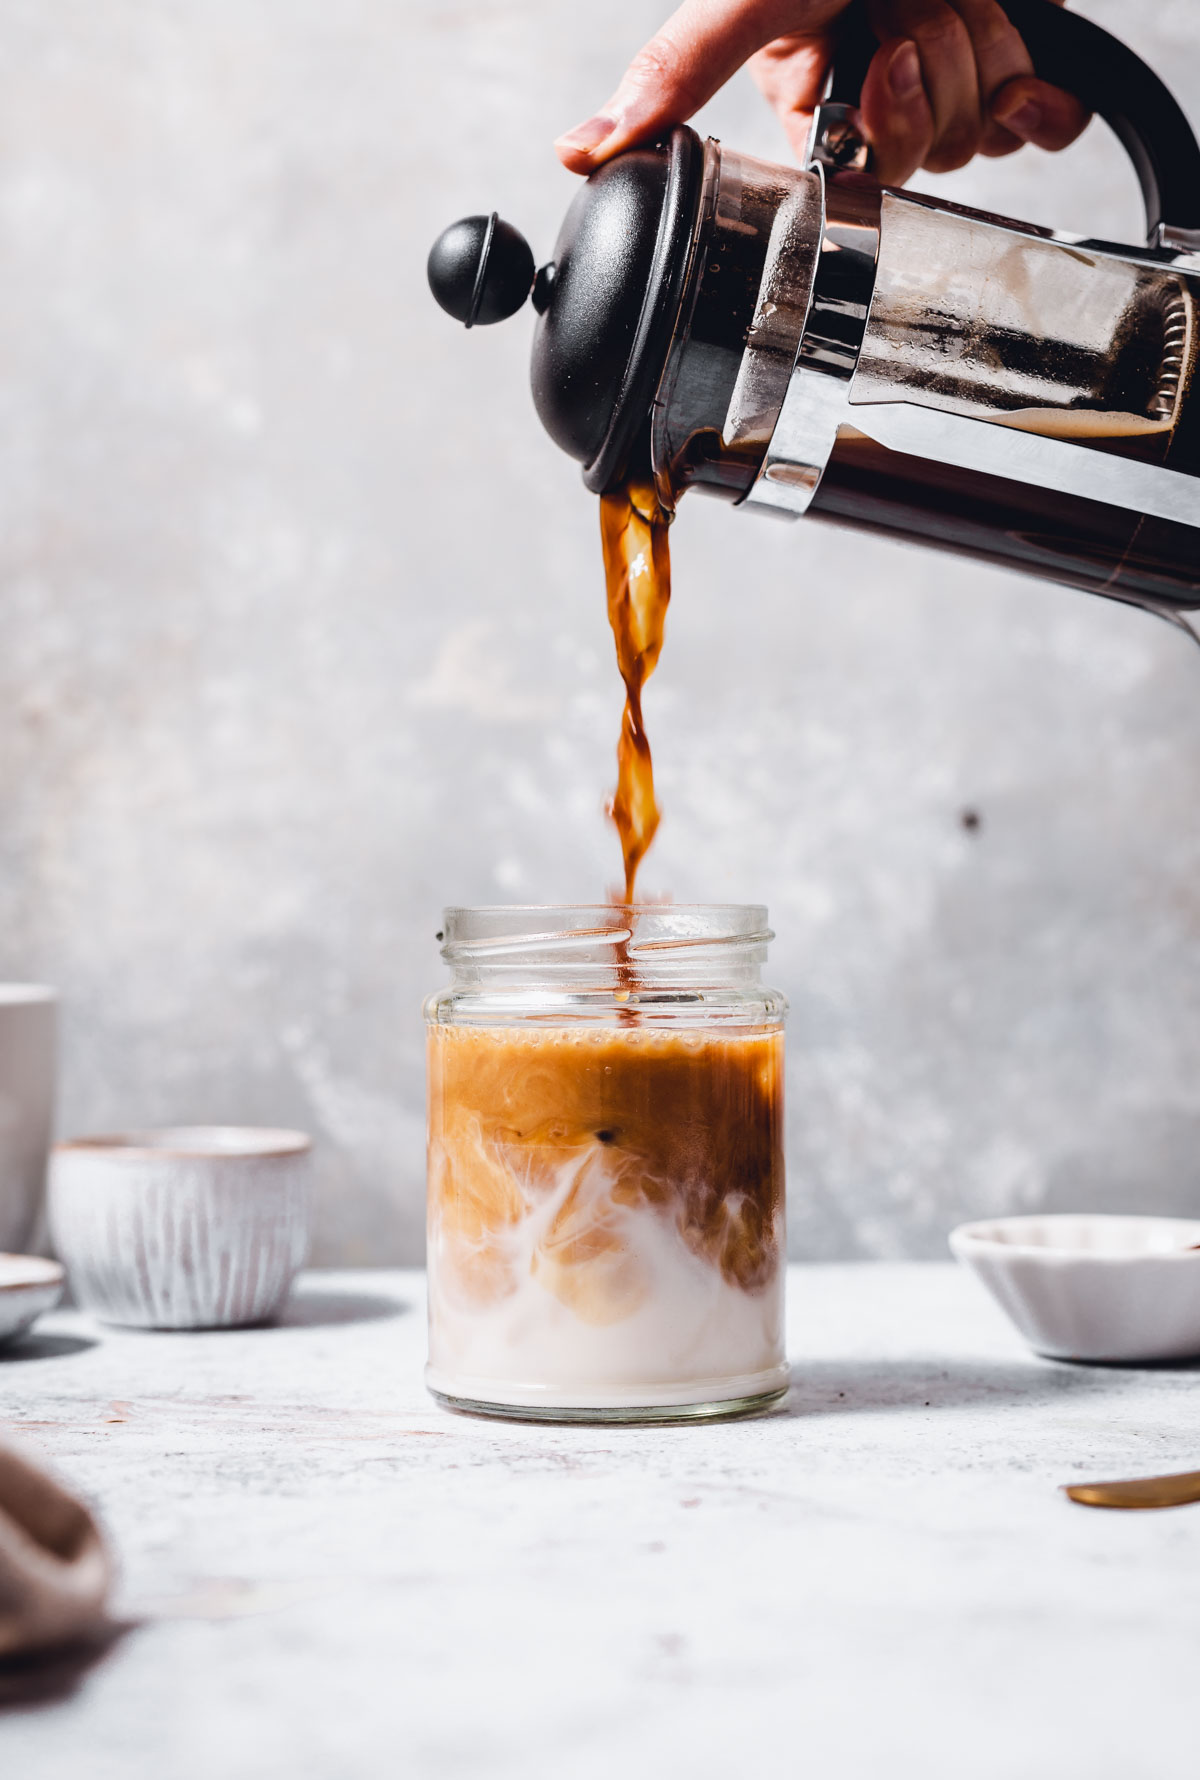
(55, 1569)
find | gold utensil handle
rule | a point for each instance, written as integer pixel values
(1138, 1492)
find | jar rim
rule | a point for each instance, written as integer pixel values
(609, 908)
(655, 929)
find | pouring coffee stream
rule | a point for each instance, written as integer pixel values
(637, 572)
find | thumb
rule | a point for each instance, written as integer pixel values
(1036, 112)
(681, 67)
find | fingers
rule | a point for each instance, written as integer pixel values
(695, 52)
(897, 118)
(978, 86)
(790, 73)
(1031, 111)
(946, 52)
(1000, 56)
(952, 78)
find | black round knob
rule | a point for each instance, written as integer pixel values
(480, 270)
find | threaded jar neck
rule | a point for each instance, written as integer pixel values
(600, 945)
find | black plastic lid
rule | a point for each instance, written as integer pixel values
(610, 307)
(607, 301)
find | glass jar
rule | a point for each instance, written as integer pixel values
(606, 1174)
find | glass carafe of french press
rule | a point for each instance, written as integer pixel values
(808, 342)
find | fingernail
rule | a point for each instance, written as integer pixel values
(587, 137)
(1025, 121)
(904, 72)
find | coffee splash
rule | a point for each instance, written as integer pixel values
(637, 572)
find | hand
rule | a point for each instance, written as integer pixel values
(951, 79)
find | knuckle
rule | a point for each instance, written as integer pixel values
(994, 34)
(943, 31)
(660, 66)
(656, 61)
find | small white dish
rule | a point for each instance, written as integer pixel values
(193, 1227)
(28, 1286)
(1082, 1286)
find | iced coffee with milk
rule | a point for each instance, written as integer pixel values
(606, 1216)
(605, 1174)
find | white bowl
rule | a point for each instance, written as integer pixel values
(195, 1227)
(28, 1286)
(1088, 1287)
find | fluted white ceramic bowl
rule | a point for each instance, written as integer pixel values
(194, 1227)
(1083, 1286)
(28, 1286)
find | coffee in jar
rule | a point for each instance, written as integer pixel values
(606, 1174)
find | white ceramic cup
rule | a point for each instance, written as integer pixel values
(194, 1227)
(27, 1055)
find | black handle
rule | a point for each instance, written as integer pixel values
(1103, 73)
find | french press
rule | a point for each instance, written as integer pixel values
(805, 341)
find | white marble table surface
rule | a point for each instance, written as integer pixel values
(334, 1578)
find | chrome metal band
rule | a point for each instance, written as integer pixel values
(836, 140)
(815, 406)
(781, 314)
(845, 276)
(817, 398)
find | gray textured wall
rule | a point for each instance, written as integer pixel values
(303, 636)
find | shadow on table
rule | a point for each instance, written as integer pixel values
(44, 1346)
(315, 1308)
(49, 1677)
(1119, 1366)
(857, 1387)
